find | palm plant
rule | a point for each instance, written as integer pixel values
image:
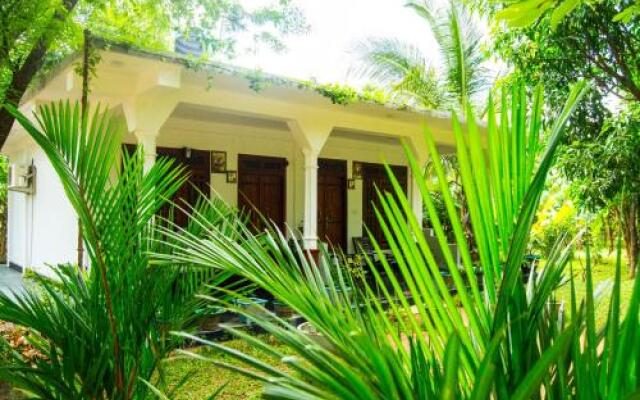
(403, 70)
(409, 74)
(101, 332)
(505, 341)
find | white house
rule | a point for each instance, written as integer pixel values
(299, 158)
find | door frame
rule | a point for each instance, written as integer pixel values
(344, 196)
(285, 164)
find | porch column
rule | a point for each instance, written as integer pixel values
(416, 198)
(145, 114)
(310, 135)
(148, 142)
(420, 152)
(310, 227)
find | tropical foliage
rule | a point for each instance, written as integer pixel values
(604, 175)
(557, 216)
(589, 43)
(414, 77)
(525, 13)
(507, 340)
(102, 332)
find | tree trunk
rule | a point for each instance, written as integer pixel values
(23, 76)
(629, 219)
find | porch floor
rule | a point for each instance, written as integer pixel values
(10, 280)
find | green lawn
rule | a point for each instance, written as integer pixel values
(603, 271)
(206, 377)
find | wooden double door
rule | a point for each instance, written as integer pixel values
(262, 189)
(375, 176)
(332, 202)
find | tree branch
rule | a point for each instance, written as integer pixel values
(22, 77)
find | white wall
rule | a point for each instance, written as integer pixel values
(42, 227)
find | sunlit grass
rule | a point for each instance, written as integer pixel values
(603, 270)
(206, 377)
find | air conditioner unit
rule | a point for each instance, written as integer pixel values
(21, 178)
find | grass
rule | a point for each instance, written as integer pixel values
(206, 377)
(603, 271)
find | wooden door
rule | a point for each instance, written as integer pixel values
(375, 176)
(332, 202)
(262, 189)
(197, 164)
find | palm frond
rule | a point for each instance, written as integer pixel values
(103, 330)
(406, 332)
(400, 68)
(459, 40)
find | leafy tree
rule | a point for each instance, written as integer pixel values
(606, 174)
(525, 13)
(27, 30)
(585, 45)
(34, 33)
(413, 77)
(589, 43)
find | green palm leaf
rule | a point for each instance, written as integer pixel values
(405, 323)
(104, 330)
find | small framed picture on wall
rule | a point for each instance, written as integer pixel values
(356, 172)
(232, 176)
(218, 161)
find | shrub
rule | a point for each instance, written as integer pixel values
(103, 331)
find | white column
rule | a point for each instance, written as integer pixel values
(310, 135)
(416, 198)
(310, 227)
(420, 152)
(148, 142)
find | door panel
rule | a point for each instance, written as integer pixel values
(332, 202)
(262, 189)
(197, 164)
(375, 176)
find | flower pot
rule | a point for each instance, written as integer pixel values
(253, 306)
(282, 310)
(210, 319)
